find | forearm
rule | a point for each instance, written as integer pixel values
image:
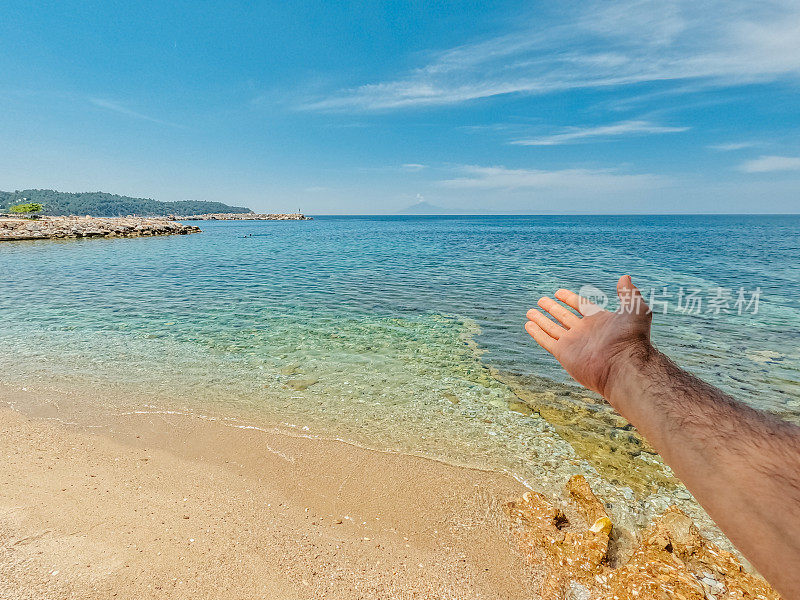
(742, 465)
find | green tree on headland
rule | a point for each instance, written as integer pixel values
(29, 208)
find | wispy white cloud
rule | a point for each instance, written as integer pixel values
(732, 146)
(569, 180)
(577, 134)
(602, 44)
(124, 110)
(766, 164)
(413, 167)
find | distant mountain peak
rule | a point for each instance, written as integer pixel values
(426, 208)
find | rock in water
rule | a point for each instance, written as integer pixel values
(673, 560)
(451, 397)
(301, 384)
(290, 369)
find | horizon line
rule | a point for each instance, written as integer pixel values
(575, 214)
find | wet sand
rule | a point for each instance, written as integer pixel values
(170, 506)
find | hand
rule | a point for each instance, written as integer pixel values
(593, 347)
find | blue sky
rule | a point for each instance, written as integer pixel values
(369, 107)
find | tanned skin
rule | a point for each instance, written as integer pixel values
(741, 464)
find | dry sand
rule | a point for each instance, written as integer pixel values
(168, 506)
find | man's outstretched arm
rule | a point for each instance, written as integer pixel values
(742, 465)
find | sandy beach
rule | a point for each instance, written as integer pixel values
(165, 506)
(103, 496)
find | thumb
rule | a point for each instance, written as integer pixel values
(630, 298)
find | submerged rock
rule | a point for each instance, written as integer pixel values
(301, 384)
(452, 398)
(671, 560)
(291, 369)
(520, 407)
(597, 433)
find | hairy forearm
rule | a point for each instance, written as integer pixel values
(742, 465)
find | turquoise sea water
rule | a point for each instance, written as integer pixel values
(399, 332)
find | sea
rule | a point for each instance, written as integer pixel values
(405, 333)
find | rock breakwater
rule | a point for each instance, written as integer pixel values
(89, 227)
(245, 217)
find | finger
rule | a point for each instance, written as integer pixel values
(630, 298)
(567, 318)
(537, 333)
(582, 305)
(554, 330)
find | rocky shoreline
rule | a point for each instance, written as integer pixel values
(13, 229)
(244, 217)
(583, 558)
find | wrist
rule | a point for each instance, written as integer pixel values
(627, 368)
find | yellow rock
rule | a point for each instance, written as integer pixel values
(601, 525)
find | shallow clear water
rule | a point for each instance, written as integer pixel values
(401, 332)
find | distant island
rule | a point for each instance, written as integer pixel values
(102, 204)
(426, 208)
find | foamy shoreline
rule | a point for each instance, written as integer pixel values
(169, 506)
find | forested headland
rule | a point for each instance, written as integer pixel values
(102, 204)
